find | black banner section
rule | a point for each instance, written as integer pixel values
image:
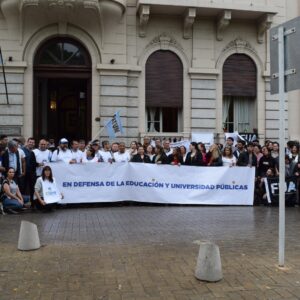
(272, 188)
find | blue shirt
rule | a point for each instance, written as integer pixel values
(12, 160)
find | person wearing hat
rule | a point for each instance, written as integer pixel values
(95, 145)
(63, 153)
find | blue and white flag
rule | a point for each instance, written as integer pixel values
(114, 126)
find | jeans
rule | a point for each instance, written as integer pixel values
(14, 203)
(46, 207)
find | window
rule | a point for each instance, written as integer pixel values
(239, 94)
(62, 52)
(238, 114)
(164, 92)
(161, 119)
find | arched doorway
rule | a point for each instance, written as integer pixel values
(62, 90)
(164, 92)
(239, 94)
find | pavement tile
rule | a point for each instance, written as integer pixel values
(149, 252)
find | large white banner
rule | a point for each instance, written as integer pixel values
(104, 182)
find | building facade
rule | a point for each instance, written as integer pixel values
(171, 67)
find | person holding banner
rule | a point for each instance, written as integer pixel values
(106, 152)
(122, 155)
(214, 157)
(90, 156)
(228, 159)
(194, 157)
(46, 192)
(150, 151)
(133, 149)
(160, 156)
(141, 157)
(63, 153)
(175, 158)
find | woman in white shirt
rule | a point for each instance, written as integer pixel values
(90, 156)
(39, 193)
(228, 159)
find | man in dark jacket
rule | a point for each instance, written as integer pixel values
(31, 164)
(247, 158)
(11, 159)
(266, 162)
(240, 148)
(141, 157)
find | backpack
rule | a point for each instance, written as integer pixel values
(2, 194)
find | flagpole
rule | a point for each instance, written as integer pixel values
(98, 133)
(116, 115)
(4, 77)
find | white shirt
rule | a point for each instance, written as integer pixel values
(65, 156)
(21, 155)
(106, 156)
(184, 157)
(77, 155)
(168, 152)
(295, 159)
(121, 157)
(93, 160)
(229, 162)
(41, 157)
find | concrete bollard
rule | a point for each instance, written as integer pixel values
(28, 237)
(209, 267)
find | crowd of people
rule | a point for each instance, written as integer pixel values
(23, 165)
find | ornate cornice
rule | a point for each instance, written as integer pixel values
(61, 3)
(165, 41)
(7, 6)
(239, 44)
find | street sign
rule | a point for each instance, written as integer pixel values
(291, 59)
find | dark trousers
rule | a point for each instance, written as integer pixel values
(27, 185)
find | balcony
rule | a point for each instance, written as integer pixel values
(11, 8)
(222, 11)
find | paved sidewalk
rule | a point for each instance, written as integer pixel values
(149, 252)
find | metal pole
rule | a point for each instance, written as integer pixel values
(98, 133)
(282, 186)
